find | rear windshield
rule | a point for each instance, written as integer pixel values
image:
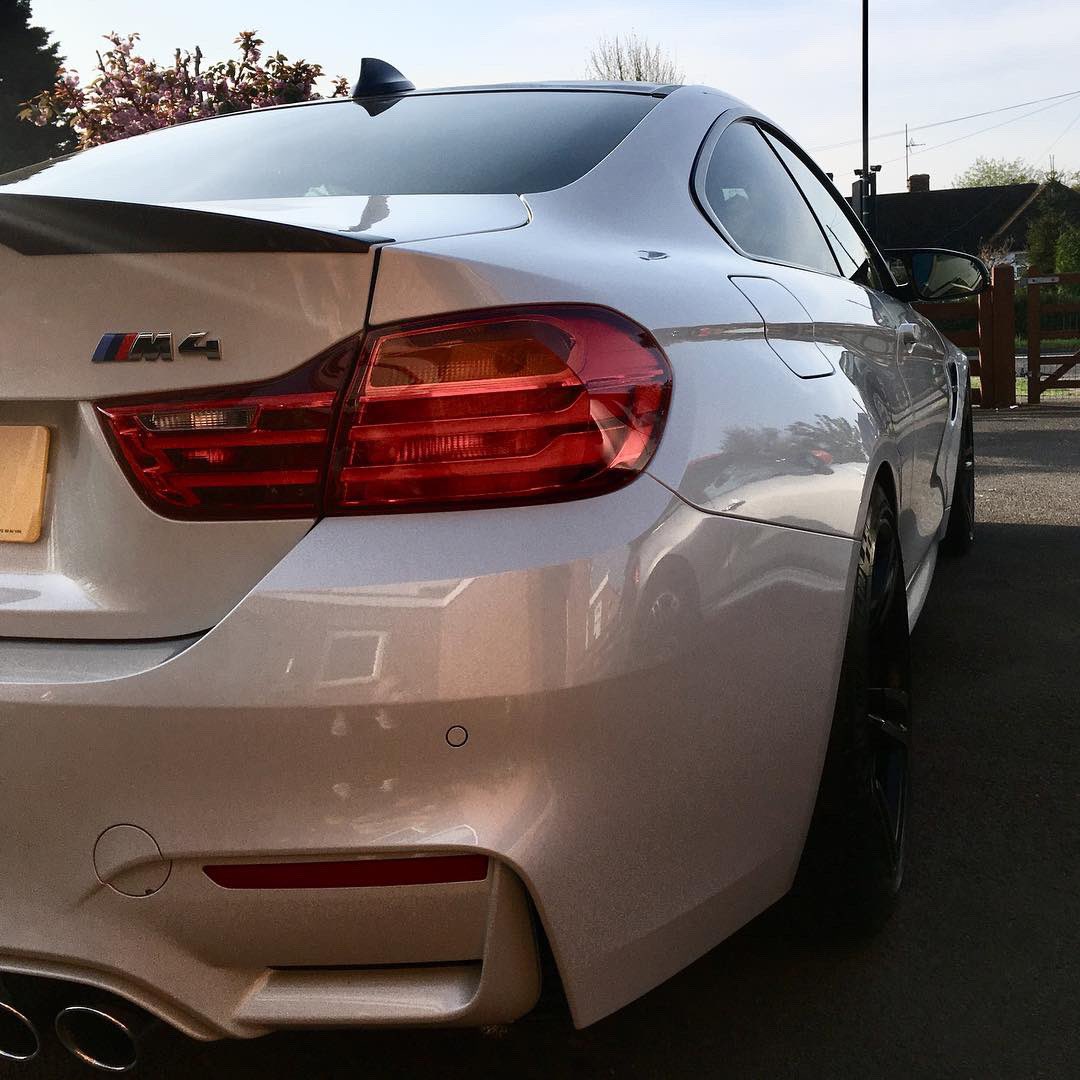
(508, 142)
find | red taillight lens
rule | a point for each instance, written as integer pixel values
(497, 407)
(505, 406)
(238, 452)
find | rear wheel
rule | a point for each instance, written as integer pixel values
(960, 534)
(853, 862)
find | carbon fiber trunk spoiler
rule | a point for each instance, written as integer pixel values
(56, 225)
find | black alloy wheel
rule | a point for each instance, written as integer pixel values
(853, 862)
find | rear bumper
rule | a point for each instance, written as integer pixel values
(646, 780)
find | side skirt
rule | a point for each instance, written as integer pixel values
(919, 586)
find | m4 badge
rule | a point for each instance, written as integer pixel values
(146, 345)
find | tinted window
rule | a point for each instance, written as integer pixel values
(478, 143)
(759, 205)
(848, 247)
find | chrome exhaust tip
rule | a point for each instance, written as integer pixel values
(104, 1037)
(18, 1037)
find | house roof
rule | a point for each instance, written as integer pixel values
(966, 219)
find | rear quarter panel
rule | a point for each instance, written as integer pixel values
(629, 236)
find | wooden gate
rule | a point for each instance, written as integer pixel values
(1057, 368)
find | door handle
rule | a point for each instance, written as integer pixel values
(910, 335)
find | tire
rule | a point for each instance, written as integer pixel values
(853, 862)
(960, 533)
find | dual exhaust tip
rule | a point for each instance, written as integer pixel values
(18, 1036)
(105, 1036)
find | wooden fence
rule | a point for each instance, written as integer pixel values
(994, 316)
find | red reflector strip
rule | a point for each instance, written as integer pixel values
(357, 874)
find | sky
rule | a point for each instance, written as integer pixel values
(798, 62)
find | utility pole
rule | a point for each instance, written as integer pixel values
(865, 209)
(864, 189)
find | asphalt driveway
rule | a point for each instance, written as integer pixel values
(979, 973)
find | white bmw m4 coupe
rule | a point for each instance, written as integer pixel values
(434, 524)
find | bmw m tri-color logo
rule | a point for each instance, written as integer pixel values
(146, 345)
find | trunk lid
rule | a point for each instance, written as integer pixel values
(275, 282)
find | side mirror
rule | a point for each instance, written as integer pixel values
(935, 274)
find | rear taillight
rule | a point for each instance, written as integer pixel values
(256, 451)
(499, 407)
(494, 407)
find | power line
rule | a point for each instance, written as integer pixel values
(1068, 127)
(954, 120)
(982, 131)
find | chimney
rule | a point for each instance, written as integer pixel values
(919, 182)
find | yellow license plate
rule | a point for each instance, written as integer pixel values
(24, 462)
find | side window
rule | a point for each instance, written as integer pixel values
(758, 204)
(851, 252)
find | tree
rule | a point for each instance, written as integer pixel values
(632, 59)
(28, 65)
(1068, 250)
(131, 95)
(997, 172)
(1046, 230)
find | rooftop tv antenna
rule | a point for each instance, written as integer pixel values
(909, 145)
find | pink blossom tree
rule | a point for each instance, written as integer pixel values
(130, 94)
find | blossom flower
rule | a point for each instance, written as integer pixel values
(131, 94)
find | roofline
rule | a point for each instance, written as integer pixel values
(1024, 207)
(639, 89)
(953, 191)
(590, 85)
